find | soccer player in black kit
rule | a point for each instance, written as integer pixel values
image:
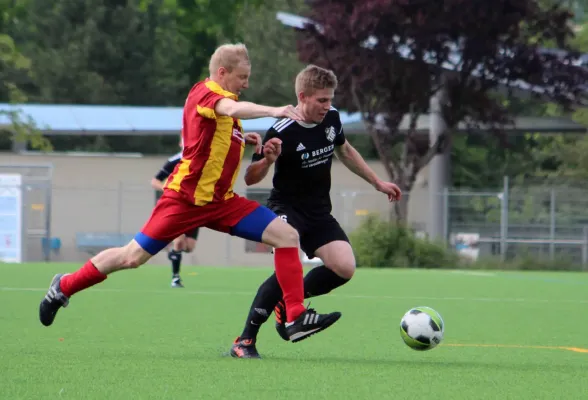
(184, 243)
(302, 152)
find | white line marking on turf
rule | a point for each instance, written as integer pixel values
(473, 273)
(344, 296)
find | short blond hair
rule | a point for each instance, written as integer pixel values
(313, 78)
(228, 56)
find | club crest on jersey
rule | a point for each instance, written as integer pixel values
(237, 133)
(330, 131)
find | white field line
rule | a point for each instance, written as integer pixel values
(251, 294)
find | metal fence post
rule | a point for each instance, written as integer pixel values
(552, 225)
(120, 205)
(48, 189)
(585, 249)
(504, 219)
(446, 214)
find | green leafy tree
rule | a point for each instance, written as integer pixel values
(104, 52)
(205, 23)
(14, 73)
(391, 57)
(272, 49)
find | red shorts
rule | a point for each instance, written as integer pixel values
(174, 216)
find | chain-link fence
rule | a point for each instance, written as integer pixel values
(514, 220)
(517, 220)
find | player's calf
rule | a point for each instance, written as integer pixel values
(317, 282)
(117, 258)
(94, 271)
(284, 238)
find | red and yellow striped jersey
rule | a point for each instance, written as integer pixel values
(213, 148)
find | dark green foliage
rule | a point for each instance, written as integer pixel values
(379, 244)
(382, 244)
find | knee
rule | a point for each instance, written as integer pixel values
(287, 237)
(345, 269)
(190, 246)
(134, 258)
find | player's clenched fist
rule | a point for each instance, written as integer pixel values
(254, 139)
(272, 149)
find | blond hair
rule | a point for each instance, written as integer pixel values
(228, 56)
(313, 78)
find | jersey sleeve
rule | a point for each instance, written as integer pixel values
(167, 168)
(206, 98)
(206, 102)
(271, 133)
(340, 137)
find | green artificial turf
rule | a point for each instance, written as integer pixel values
(508, 335)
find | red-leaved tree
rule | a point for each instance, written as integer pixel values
(391, 56)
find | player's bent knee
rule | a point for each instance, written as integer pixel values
(289, 238)
(134, 255)
(190, 245)
(279, 234)
(147, 244)
(346, 270)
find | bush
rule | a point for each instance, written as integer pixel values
(380, 244)
(527, 263)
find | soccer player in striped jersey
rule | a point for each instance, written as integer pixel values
(200, 193)
(302, 152)
(185, 242)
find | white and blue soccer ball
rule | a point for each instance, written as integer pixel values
(421, 328)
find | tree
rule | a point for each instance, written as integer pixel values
(205, 23)
(103, 52)
(392, 56)
(272, 49)
(14, 73)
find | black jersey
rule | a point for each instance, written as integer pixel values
(302, 173)
(166, 171)
(168, 167)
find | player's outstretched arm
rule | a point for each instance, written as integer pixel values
(356, 164)
(248, 110)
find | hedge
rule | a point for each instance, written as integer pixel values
(380, 244)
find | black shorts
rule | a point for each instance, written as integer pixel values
(193, 233)
(315, 230)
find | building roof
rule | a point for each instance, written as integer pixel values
(57, 119)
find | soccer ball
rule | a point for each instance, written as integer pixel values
(422, 328)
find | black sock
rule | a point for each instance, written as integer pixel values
(176, 259)
(268, 295)
(321, 280)
(318, 281)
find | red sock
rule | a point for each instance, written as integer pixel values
(291, 279)
(82, 279)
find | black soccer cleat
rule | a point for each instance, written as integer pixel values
(52, 302)
(280, 313)
(177, 282)
(309, 323)
(244, 348)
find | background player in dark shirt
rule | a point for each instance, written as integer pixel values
(183, 243)
(302, 152)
